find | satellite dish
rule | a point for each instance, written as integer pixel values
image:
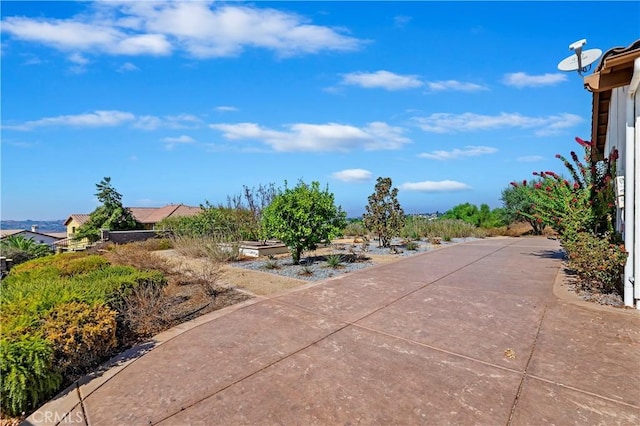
(581, 61)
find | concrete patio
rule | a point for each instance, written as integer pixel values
(467, 334)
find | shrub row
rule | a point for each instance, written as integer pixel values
(597, 262)
(58, 320)
(420, 227)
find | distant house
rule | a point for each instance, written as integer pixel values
(615, 124)
(148, 217)
(39, 237)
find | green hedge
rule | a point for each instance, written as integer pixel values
(38, 332)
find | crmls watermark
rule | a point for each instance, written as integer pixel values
(58, 418)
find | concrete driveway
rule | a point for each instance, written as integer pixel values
(467, 334)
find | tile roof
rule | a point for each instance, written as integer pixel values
(55, 234)
(156, 214)
(4, 233)
(148, 215)
(81, 218)
(9, 232)
(615, 69)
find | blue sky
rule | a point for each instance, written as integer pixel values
(182, 102)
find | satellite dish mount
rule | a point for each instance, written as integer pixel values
(582, 59)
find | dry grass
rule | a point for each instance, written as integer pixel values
(143, 310)
(139, 256)
(209, 247)
(518, 229)
(191, 290)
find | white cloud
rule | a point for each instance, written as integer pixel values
(454, 85)
(127, 67)
(94, 37)
(557, 124)
(80, 63)
(353, 175)
(435, 186)
(92, 119)
(202, 29)
(171, 142)
(111, 119)
(148, 122)
(401, 20)
(469, 151)
(522, 79)
(182, 121)
(318, 137)
(530, 158)
(381, 80)
(467, 122)
(77, 58)
(179, 139)
(31, 59)
(226, 108)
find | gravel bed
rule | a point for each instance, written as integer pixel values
(611, 299)
(315, 268)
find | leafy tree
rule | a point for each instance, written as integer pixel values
(384, 216)
(467, 212)
(518, 204)
(482, 217)
(20, 249)
(303, 217)
(110, 215)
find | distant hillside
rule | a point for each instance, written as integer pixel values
(43, 225)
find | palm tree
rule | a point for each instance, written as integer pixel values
(15, 243)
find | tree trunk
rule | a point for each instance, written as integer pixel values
(296, 254)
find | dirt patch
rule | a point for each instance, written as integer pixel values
(564, 288)
(264, 283)
(259, 283)
(252, 282)
(193, 288)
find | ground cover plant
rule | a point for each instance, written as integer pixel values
(62, 315)
(54, 307)
(334, 260)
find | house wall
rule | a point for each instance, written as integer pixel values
(38, 238)
(72, 227)
(616, 137)
(123, 237)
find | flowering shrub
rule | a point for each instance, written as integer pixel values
(582, 211)
(561, 205)
(583, 204)
(597, 179)
(598, 263)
